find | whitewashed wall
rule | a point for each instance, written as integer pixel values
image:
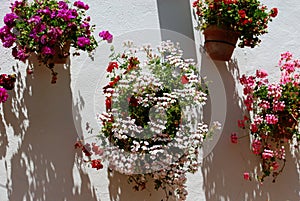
(40, 122)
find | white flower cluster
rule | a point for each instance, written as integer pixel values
(150, 128)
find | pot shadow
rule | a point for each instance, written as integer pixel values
(44, 166)
(12, 117)
(177, 28)
(223, 168)
(121, 190)
(3, 136)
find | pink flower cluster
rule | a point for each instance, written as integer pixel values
(274, 113)
(267, 154)
(256, 146)
(105, 35)
(3, 95)
(81, 5)
(269, 99)
(234, 138)
(271, 119)
(41, 26)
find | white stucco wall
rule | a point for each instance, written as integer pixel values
(40, 122)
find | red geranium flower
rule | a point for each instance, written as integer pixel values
(247, 176)
(242, 13)
(111, 66)
(78, 144)
(230, 1)
(108, 102)
(116, 79)
(184, 79)
(274, 12)
(96, 163)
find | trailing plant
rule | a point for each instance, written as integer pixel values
(274, 114)
(152, 127)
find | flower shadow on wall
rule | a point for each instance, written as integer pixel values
(3, 139)
(222, 165)
(116, 181)
(223, 169)
(43, 165)
(12, 115)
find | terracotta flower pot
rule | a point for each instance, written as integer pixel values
(286, 124)
(219, 42)
(61, 54)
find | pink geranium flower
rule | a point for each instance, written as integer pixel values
(105, 35)
(9, 19)
(48, 51)
(256, 146)
(261, 73)
(81, 5)
(234, 138)
(246, 176)
(3, 95)
(267, 154)
(274, 112)
(271, 119)
(83, 41)
(254, 128)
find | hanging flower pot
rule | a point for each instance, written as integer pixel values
(245, 17)
(220, 42)
(47, 28)
(147, 127)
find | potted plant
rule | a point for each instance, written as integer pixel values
(149, 129)
(7, 82)
(274, 114)
(223, 22)
(47, 28)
